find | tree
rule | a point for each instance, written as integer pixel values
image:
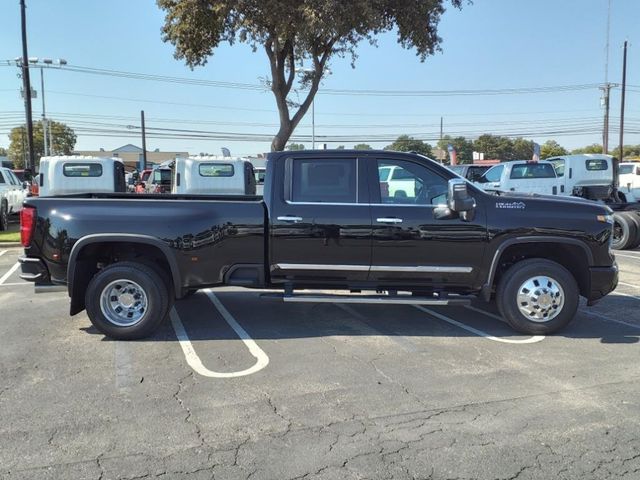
(64, 141)
(464, 147)
(3, 152)
(294, 31)
(494, 147)
(551, 148)
(521, 149)
(362, 146)
(295, 146)
(593, 148)
(405, 143)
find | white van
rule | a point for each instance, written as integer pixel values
(71, 174)
(521, 176)
(213, 175)
(12, 194)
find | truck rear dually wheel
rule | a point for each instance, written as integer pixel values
(625, 231)
(127, 300)
(537, 296)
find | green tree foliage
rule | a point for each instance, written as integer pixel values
(464, 147)
(494, 147)
(521, 149)
(64, 141)
(292, 32)
(630, 151)
(362, 146)
(593, 148)
(3, 152)
(405, 143)
(551, 148)
(295, 146)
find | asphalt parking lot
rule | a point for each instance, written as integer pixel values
(239, 386)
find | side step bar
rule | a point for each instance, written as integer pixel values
(370, 299)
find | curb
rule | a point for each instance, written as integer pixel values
(10, 244)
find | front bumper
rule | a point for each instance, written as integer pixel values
(34, 270)
(603, 281)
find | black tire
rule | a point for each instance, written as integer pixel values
(150, 283)
(635, 219)
(516, 277)
(4, 217)
(624, 231)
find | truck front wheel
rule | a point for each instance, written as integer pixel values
(537, 296)
(127, 300)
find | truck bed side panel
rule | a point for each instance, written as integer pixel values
(206, 238)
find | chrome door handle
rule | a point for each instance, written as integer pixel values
(289, 218)
(388, 220)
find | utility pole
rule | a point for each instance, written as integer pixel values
(606, 88)
(44, 115)
(26, 86)
(624, 86)
(144, 142)
(440, 128)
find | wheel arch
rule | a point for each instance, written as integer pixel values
(80, 271)
(571, 253)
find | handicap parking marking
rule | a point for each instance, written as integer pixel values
(481, 333)
(9, 273)
(262, 359)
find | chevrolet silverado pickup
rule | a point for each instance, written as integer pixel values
(328, 220)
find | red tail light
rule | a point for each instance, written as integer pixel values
(27, 223)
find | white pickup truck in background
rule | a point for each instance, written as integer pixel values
(12, 194)
(630, 180)
(521, 176)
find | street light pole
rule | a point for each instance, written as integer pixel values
(313, 123)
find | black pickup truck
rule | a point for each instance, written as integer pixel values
(334, 220)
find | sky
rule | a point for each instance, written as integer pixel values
(488, 45)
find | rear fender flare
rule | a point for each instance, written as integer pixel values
(124, 238)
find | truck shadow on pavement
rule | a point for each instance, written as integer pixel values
(272, 319)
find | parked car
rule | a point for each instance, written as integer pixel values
(12, 194)
(72, 174)
(325, 223)
(471, 172)
(212, 175)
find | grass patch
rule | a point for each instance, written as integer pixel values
(9, 236)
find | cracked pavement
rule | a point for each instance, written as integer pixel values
(371, 393)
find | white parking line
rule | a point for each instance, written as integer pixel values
(9, 273)
(13, 284)
(464, 326)
(2, 252)
(608, 319)
(626, 255)
(628, 284)
(262, 360)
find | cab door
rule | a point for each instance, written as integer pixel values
(410, 246)
(320, 224)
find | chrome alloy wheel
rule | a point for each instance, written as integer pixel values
(540, 299)
(123, 303)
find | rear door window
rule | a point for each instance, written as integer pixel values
(324, 181)
(595, 164)
(82, 170)
(216, 170)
